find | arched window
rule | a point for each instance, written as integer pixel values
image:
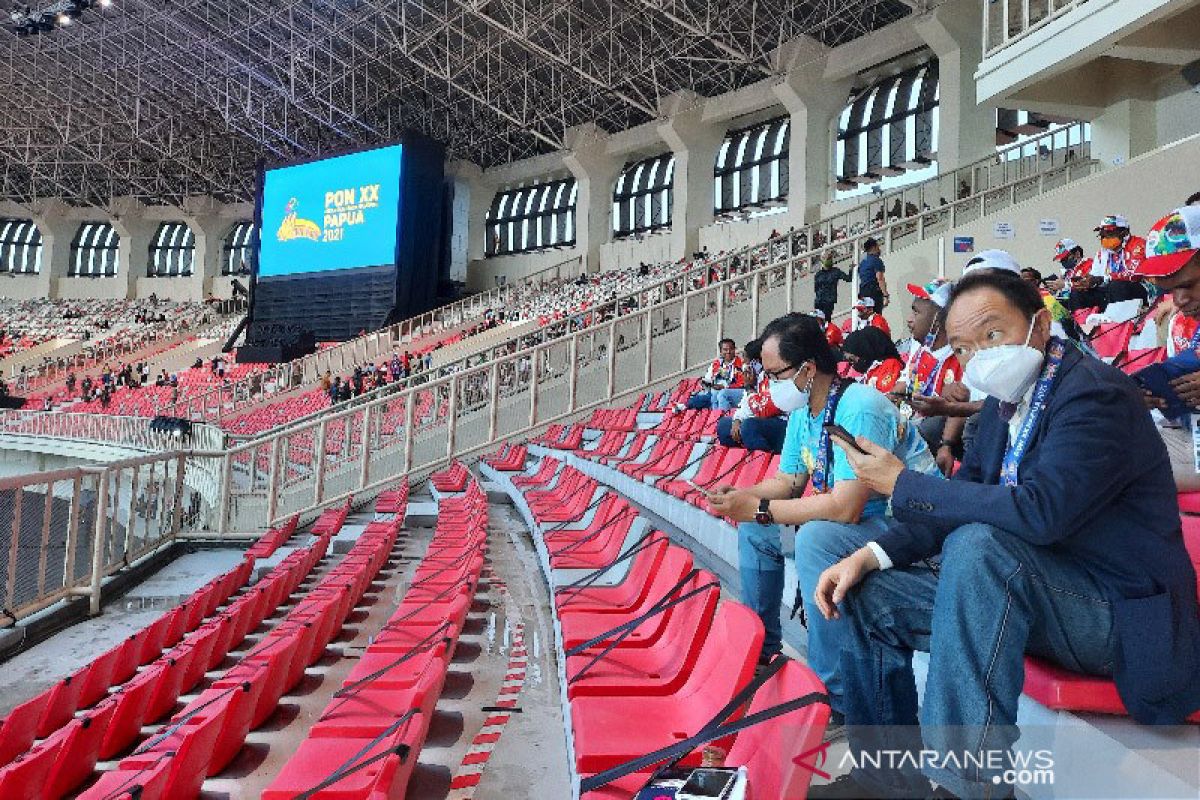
(643, 194)
(531, 218)
(20, 247)
(94, 252)
(751, 170)
(235, 251)
(172, 250)
(887, 130)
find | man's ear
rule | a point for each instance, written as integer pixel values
(1041, 325)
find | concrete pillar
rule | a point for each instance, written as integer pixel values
(967, 131)
(203, 215)
(695, 144)
(58, 231)
(1124, 130)
(473, 196)
(136, 231)
(595, 172)
(813, 104)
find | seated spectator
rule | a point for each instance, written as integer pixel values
(1062, 324)
(1076, 560)
(1112, 277)
(865, 316)
(930, 364)
(757, 423)
(833, 334)
(873, 356)
(725, 372)
(1173, 263)
(805, 385)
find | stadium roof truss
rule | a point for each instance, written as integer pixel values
(165, 100)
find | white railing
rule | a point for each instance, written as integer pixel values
(63, 532)
(131, 432)
(897, 218)
(1009, 21)
(220, 401)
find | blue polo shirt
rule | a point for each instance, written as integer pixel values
(863, 411)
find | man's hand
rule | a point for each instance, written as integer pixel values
(877, 468)
(945, 460)
(723, 489)
(1153, 401)
(839, 579)
(933, 406)
(1188, 389)
(738, 506)
(1054, 284)
(735, 431)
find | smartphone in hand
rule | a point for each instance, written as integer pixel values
(833, 429)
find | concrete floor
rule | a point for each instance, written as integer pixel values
(530, 758)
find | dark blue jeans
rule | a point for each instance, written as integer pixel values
(994, 598)
(701, 400)
(758, 433)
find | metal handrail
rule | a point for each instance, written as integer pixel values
(871, 216)
(407, 330)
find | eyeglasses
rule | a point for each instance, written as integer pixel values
(775, 375)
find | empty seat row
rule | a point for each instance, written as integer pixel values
(365, 744)
(202, 739)
(451, 480)
(66, 758)
(651, 660)
(274, 538)
(331, 520)
(511, 457)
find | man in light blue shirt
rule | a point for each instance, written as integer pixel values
(804, 382)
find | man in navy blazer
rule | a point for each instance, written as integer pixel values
(1059, 536)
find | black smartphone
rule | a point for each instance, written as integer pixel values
(846, 436)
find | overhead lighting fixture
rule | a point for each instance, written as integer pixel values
(30, 21)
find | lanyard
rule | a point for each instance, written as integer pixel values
(1015, 452)
(1194, 344)
(822, 474)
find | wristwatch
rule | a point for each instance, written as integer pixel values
(763, 515)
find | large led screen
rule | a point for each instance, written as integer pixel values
(336, 214)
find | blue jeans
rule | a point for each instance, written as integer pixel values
(819, 545)
(727, 399)
(701, 400)
(758, 433)
(995, 598)
(760, 564)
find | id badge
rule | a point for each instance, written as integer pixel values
(1196, 441)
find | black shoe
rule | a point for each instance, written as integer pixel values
(835, 729)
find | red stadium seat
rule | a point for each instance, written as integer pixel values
(612, 730)
(80, 750)
(19, 728)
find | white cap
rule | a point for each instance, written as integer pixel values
(865, 302)
(819, 314)
(992, 259)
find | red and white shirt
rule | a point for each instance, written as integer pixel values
(758, 403)
(929, 371)
(857, 323)
(883, 375)
(1182, 329)
(1122, 263)
(725, 374)
(833, 334)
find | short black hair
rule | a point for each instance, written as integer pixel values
(1037, 275)
(1018, 292)
(726, 341)
(801, 338)
(1193, 200)
(870, 244)
(753, 349)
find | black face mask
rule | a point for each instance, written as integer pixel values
(1069, 262)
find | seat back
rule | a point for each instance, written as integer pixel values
(730, 653)
(775, 751)
(19, 728)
